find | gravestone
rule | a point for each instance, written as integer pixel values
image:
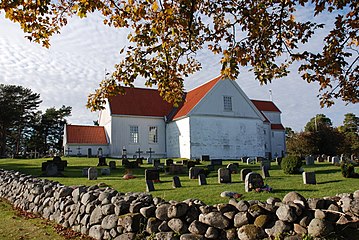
(149, 160)
(139, 161)
(244, 173)
(51, 170)
(309, 178)
(89, 152)
(329, 158)
(216, 162)
(169, 162)
(205, 158)
(210, 167)
(105, 171)
(244, 159)
(92, 173)
(130, 164)
(335, 160)
(176, 169)
(309, 160)
(278, 160)
(191, 164)
(176, 183)
(112, 164)
(265, 163)
(60, 164)
(150, 186)
(342, 158)
(259, 159)
(202, 179)
(320, 159)
(85, 172)
(101, 161)
(194, 172)
(124, 153)
(265, 172)
(253, 181)
(156, 162)
(233, 168)
(250, 161)
(152, 174)
(224, 175)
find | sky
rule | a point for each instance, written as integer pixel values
(78, 58)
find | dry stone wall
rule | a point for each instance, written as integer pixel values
(104, 213)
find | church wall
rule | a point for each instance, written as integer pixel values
(278, 143)
(273, 117)
(82, 150)
(178, 139)
(267, 139)
(226, 137)
(213, 103)
(105, 121)
(120, 135)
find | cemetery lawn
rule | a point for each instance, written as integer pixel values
(20, 225)
(329, 180)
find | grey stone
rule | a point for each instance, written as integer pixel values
(148, 212)
(242, 206)
(96, 232)
(278, 228)
(196, 227)
(292, 196)
(152, 225)
(163, 227)
(286, 213)
(212, 233)
(250, 232)
(177, 210)
(131, 222)
(190, 236)
(109, 221)
(214, 219)
(96, 216)
(241, 218)
(162, 211)
(319, 228)
(177, 225)
(165, 235)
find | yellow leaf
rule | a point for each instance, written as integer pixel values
(155, 6)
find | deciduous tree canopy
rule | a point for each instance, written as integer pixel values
(165, 36)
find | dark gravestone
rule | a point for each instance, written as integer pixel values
(216, 162)
(150, 186)
(259, 159)
(278, 160)
(251, 161)
(265, 172)
(244, 159)
(51, 170)
(233, 168)
(335, 160)
(184, 162)
(130, 164)
(176, 169)
(101, 161)
(169, 162)
(85, 172)
(139, 161)
(244, 173)
(112, 164)
(205, 158)
(224, 175)
(253, 181)
(176, 182)
(309, 160)
(309, 178)
(60, 164)
(210, 167)
(194, 172)
(92, 173)
(265, 163)
(202, 179)
(190, 164)
(89, 152)
(156, 162)
(152, 174)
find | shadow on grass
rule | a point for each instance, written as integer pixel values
(290, 190)
(327, 171)
(332, 181)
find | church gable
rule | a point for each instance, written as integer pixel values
(227, 99)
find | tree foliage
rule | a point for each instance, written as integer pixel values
(320, 121)
(166, 35)
(350, 130)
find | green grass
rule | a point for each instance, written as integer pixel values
(329, 180)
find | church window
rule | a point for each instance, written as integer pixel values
(227, 103)
(152, 135)
(134, 134)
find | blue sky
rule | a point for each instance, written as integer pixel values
(75, 64)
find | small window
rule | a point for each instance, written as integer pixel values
(152, 135)
(264, 131)
(134, 134)
(272, 134)
(227, 103)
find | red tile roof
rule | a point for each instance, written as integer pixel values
(86, 134)
(277, 127)
(194, 96)
(267, 106)
(140, 102)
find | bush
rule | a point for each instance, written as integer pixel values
(348, 170)
(291, 164)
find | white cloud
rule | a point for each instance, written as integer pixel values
(74, 65)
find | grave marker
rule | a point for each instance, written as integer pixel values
(169, 162)
(85, 172)
(244, 173)
(202, 179)
(309, 178)
(51, 170)
(176, 183)
(105, 171)
(224, 175)
(265, 163)
(265, 172)
(101, 161)
(112, 164)
(176, 169)
(233, 168)
(194, 172)
(204, 158)
(152, 174)
(335, 160)
(217, 162)
(250, 161)
(92, 173)
(156, 162)
(253, 181)
(309, 160)
(139, 152)
(150, 186)
(191, 164)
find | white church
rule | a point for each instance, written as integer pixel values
(215, 119)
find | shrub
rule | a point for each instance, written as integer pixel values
(291, 164)
(348, 170)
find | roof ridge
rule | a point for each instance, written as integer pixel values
(219, 77)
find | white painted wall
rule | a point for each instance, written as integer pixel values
(267, 138)
(105, 121)
(226, 137)
(120, 135)
(178, 138)
(74, 151)
(278, 143)
(273, 117)
(212, 104)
